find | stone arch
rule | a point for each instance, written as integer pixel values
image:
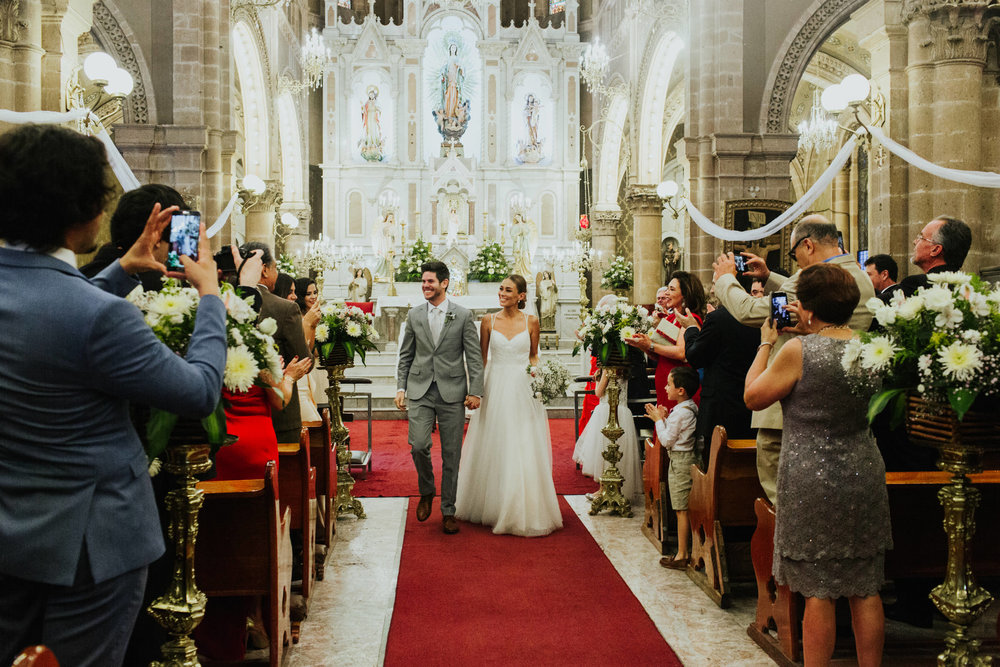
(816, 24)
(114, 34)
(292, 168)
(256, 102)
(652, 107)
(609, 159)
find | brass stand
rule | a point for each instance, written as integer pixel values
(584, 301)
(610, 495)
(392, 276)
(344, 503)
(960, 444)
(182, 607)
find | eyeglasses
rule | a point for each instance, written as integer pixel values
(791, 253)
(921, 237)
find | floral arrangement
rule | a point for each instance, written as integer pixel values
(943, 342)
(409, 263)
(171, 314)
(607, 328)
(345, 325)
(489, 264)
(548, 381)
(618, 275)
(287, 265)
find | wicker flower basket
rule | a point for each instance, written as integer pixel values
(937, 424)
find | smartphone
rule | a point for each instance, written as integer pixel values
(840, 241)
(185, 230)
(741, 263)
(780, 317)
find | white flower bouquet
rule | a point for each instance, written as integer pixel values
(943, 342)
(251, 350)
(489, 264)
(548, 381)
(409, 264)
(618, 275)
(345, 326)
(608, 327)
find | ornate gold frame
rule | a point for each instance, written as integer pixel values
(737, 211)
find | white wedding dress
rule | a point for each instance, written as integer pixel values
(505, 477)
(592, 444)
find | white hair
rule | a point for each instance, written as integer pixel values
(607, 300)
(661, 290)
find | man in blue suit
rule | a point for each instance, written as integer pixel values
(78, 523)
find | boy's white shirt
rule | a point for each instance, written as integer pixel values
(676, 432)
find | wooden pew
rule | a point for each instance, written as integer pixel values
(919, 550)
(323, 458)
(721, 512)
(297, 480)
(657, 521)
(243, 549)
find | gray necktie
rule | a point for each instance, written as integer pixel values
(437, 317)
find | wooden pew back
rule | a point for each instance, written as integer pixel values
(297, 479)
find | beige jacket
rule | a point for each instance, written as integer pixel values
(752, 311)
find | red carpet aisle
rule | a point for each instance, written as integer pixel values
(393, 474)
(482, 599)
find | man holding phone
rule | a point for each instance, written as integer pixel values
(814, 239)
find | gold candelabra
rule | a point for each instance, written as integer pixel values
(335, 365)
(180, 609)
(610, 495)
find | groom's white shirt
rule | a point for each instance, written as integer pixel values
(435, 318)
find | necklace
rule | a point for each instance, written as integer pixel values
(833, 326)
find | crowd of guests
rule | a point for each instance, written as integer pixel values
(818, 460)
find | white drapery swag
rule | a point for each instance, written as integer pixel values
(118, 164)
(982, 179)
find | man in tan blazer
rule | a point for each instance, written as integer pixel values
(813, 240)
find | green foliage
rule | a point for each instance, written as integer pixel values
(409, 264)
(489, 264)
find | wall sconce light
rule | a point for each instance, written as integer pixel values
(672, 196)
(100, 85)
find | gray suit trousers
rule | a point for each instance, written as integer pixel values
(451, 422)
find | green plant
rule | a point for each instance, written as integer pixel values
(409, 263)
(287, 265)
(618, 275)
(489, 264)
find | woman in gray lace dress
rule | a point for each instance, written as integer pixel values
(832, 528)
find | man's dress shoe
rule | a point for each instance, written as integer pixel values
(424, 507)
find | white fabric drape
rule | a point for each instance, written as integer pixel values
(790, 215)
(982, 179)
(118, 164)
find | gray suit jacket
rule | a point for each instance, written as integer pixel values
(72, 469)
(752, 311)
(291, 342)
(422, 363)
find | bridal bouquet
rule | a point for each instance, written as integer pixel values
(171, 314)
(346, 326)
(943, 342)
(608, 327)
(548, 381)
(618, 275)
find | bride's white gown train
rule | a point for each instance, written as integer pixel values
(505, 478)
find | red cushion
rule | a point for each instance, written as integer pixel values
(366, 306)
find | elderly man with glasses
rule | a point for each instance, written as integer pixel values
(813, 240)
(941, 245)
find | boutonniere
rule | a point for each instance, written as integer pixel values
(449, 316)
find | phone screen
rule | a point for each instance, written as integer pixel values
(184, 235)
(741, 263)
(780, 317)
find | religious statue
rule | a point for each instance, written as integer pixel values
(453, 223)
(671, 258)
(548, 297)
(452, 114)
(371, 142)
(524, 241)
(359, 288)
(384, 242)
(529, 150)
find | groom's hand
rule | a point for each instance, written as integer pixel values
(401, 400)
(472, 402)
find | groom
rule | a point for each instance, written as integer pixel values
(431, 374)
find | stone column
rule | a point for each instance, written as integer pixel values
(947, 53)
(603, 224)
(259, 211)
(841, 205)
(647, 216)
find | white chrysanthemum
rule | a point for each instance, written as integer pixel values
(239, 309)
(885, 315)
(910, 308)
(950, 277)
(328, 309)
(643, 312)
(960, 361)
(152, 319)
(137, 297)
(938, 298)
(994, 296)
(627, 332)
(978, 304)
(353, 329)
(237, 336)
(268, 326)
(322, 332)
(948, 318)
(874, 303)
(877, 353)
(851, 353)
(241, 369)
(171, 307)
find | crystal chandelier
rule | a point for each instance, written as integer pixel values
(819, 133)
(313, 59)
(595, 66)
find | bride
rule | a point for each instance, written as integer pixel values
(505, 479)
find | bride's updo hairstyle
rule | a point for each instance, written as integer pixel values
(521, 285)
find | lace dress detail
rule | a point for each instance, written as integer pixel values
(505, 478)
(832, 528)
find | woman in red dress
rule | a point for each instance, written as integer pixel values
(683, 295)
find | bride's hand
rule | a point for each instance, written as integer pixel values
(472, 402)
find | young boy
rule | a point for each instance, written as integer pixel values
(676, 433)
